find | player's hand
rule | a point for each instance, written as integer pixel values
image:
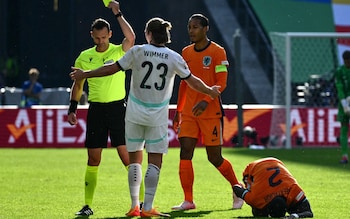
(176, 121)
(114, 5)
(199, 108)
(215, 92)
(72, 118)
(77, 74)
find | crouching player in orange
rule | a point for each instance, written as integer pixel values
(271, 190)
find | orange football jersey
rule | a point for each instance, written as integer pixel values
(210, 65)
(267, 178)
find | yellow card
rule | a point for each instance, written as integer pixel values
(106, 2)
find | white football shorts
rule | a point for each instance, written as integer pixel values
(154, 139)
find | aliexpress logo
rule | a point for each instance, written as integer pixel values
(17, 132)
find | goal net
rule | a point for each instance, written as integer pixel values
(304, 64)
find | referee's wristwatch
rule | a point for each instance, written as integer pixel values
(119, 14)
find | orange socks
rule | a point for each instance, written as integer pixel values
(227, 171)
(187, 178)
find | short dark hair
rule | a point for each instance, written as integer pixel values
(204, 21)
(346, 55)
(99, 24)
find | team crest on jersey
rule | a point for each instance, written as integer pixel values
(206, 60)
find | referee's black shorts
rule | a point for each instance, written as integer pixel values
(103, 120)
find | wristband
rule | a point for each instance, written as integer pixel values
(244, 193)
(119, 14)
(72, 106)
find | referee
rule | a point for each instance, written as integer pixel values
(106, 99)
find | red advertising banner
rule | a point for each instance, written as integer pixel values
(48, 127)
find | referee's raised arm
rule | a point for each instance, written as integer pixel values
(126, 28)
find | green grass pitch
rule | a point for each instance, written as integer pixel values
(49, 183)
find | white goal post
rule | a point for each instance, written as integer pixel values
(299, 58)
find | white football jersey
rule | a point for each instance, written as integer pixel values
(152, 81)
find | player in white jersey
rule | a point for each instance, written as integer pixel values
(154, 86)
(153, 68)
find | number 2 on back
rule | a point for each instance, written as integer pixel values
(273, 176)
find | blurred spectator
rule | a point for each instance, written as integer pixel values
(31, 89)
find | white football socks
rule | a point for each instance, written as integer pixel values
(134, 178)
(151, 183)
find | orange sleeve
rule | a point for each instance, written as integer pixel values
(181, 96)
(221, 79)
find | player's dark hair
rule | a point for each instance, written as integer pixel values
(346, 55)
(277, 207)
(99, 24)
(160, 30)
(203, 20)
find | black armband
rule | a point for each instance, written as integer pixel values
(72, 106)
(119, 14)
